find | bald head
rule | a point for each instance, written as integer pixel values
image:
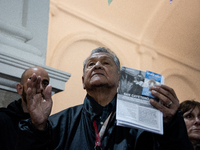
(27, 74)
(39, 71)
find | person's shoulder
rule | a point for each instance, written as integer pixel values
(69, 112)
(65, 116)
(4, 111)
(4, 116)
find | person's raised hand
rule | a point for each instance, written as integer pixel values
(168, 102)
(39, 102)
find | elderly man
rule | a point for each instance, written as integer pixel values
(17, 110)
(92, 125)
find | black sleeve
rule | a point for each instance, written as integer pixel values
(8, 134)
(31, 138)
(175, 135)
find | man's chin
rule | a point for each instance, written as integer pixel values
(95, 85)
(98, 82)
(195, 136)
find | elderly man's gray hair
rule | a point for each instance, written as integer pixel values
(103, 50)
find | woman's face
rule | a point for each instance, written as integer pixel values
(192, 121)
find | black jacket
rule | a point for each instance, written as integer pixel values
(72, 129)
(9, 120)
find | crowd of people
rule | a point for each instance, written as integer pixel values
(26, 124)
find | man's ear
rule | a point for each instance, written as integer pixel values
(19, 88)
(83, 82)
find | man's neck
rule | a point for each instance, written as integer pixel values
(195, 142)
(102, 96)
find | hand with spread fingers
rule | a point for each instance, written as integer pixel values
(39, 101)
(168, 102)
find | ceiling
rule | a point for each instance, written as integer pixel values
(173, 28)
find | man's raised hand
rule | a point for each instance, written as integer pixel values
(39, 102)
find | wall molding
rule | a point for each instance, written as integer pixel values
(168, 73)
(14, 67)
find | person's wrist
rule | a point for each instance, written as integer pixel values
(42, 126)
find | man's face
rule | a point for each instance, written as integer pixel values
(192, 121)
(39, 72)
(100, 70)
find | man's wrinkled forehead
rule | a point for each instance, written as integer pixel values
(100, 55)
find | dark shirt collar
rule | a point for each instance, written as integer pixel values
(96, 110)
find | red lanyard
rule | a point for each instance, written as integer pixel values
(98, 135)
(98, 141)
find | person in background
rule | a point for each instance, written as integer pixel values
(191, 115)
(92, 125)
(17, 110)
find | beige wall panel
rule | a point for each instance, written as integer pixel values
(182, 78)
(185, 90)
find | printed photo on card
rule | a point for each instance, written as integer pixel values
(151, 79)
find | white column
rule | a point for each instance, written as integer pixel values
(23, 43)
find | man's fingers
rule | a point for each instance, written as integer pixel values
(47, 92)
(165, 94)
(165, 90)
(165, 99)
(156, 104)
(168, 101)
(33, 92)
(29, 95)
(36, 84)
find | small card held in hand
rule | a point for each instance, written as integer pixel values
(151, 79)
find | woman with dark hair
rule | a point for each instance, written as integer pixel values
(191, 115)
